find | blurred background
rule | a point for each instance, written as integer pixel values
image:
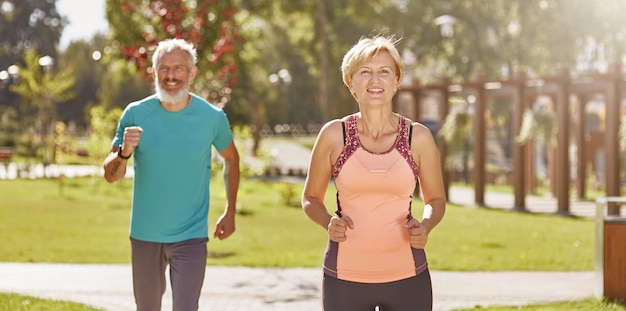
(68, 68)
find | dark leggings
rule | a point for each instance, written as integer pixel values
(412, 294)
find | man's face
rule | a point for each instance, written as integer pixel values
(173, 76)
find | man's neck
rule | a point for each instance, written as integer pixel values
(178, 106)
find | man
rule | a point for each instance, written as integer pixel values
(171, 135)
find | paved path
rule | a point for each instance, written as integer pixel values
(272, 289)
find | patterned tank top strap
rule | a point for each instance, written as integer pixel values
(403, 144)
(350, 145)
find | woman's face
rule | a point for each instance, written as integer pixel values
(375, 81)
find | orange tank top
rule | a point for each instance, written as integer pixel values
(375, 190)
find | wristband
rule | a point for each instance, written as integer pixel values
(119, 154)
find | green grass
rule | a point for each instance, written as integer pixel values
(585, 304)
(88, 223)
(15, 302)
(492, 239)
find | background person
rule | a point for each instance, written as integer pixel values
(375, 254)
(171, 134)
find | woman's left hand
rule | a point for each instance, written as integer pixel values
(417, 233)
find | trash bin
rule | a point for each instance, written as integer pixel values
(610, 266)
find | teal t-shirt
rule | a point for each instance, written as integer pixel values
(172, 164)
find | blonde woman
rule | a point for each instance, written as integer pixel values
(375, 253)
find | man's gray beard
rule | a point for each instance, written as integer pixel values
(166, 97)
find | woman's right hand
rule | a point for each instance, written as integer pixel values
(337, 228)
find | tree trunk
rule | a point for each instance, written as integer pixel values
(323, 30)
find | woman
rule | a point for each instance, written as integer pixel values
(375, 255)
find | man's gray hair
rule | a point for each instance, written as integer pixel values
(169, 45)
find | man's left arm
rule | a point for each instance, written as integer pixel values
(226, 223)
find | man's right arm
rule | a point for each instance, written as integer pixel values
(115, 163)
(114, 166)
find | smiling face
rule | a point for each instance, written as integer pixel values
(173, 74)
(375, 80)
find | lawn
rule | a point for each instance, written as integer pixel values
(86, 221)
(14, 302)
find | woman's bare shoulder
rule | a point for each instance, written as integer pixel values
(331, 127)
(420, 132)
(331, 133)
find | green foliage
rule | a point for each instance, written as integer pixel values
(539, 125)
(309, 39)
(45, 226)
(41, 90)
(41, 86)
(89, 74)
(103, 123)
(456, 130)
(122, 85)
(64, 145)
(15, 302)
(622, 134)
(8, 126)
(25, 24)
(252, 163)
(137, 26)
(288, 195)
(274, 42)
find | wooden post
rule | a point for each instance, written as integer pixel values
(614, 273)
(581, 167)
(519, 104)
(563, 162)
(480, 137)
(444, 109)
(611, 142)
(416, 91)
(529, 160)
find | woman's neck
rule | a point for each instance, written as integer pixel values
(377, 122)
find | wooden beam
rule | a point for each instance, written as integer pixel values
(444, 110)
(519, 106)
(611, 142)
(480, 139)
(561, 82)
(581, 130)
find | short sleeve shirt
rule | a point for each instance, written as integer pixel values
(172, 165)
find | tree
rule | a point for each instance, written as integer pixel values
(103, 123)
(26, 24)
(88, 68)
(500, 37)
(41, 89)
(209, 24)
(8, 126)
(102, 78)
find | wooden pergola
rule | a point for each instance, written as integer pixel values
(521, 91)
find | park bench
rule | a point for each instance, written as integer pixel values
(5, 154)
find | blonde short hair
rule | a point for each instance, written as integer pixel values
(367, 48)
